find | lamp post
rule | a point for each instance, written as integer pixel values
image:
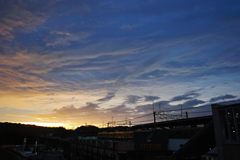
(154, 117)
(153, 106)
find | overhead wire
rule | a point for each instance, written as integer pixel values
(142, 116)
(134, 117)
(187, 108)
(199, 112)
(142, 121)
(190, 108)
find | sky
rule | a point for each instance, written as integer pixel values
(71, 63)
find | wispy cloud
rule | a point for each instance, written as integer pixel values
(154, 74)
(193, 102)
(150, 98)
(65, 38)
(108, 97)
(128, 26)
(188, 95)
(116, 58)
(18, 19)
(225, 97)
(132, 99)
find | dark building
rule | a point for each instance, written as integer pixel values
(209, 137)
(227, 126)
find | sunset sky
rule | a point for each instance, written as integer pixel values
(67, 63)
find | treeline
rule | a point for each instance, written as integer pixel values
(13, 133)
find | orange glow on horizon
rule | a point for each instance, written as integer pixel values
(50, 124)
(66, 126)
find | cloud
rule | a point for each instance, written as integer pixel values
(17, 19)
(227, 96)
(23, 70)
(71, 114)
(144, 108)
(148, 108)
(128, 26)
(165, 105)
(108, 97)
(154, 74)
(132, 99)
(187, 95)
(192, 103)
(70, 109)
(120, 109)
(150, 98)
(65, 38)
(91, 112)
(120, 81)
(84, 48)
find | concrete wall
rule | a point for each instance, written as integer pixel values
(231, 151)
(123, 146)
(174, 144)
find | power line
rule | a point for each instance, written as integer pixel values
(135, 118)
(163, 114)
(142, 116)
(208, 105)
(138, 122)
(142, 121)
(200, 112)
(187, 108)
(222, 94)
(121, 121)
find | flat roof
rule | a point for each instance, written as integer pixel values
(178, 122)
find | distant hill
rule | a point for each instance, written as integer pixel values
(14, 133)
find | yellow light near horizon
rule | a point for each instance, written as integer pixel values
(49, 124)
(66, 126)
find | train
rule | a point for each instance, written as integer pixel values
(116, 135)
(172, 133)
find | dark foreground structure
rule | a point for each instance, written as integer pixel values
(215, 137)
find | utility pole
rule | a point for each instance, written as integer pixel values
(112, 121)
(187, 115)
(153, 106)
(130, 125)
(36, 147)
(154, 120)
(181, 110)
(24, 143)
(154, 117)
(159, 113)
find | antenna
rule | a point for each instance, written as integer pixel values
(153, 106)
(181, 110)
